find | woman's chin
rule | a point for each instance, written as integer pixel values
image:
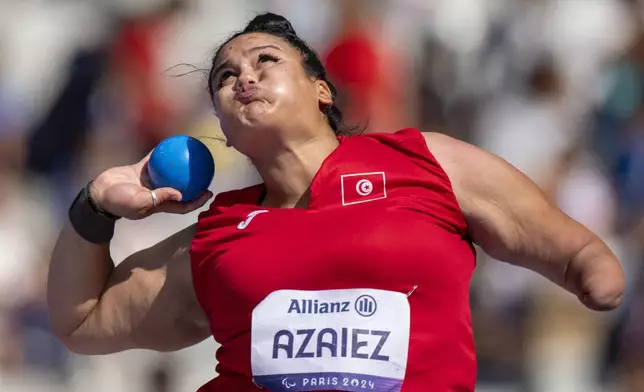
(255, 114)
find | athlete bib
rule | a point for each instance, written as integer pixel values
(348, 340)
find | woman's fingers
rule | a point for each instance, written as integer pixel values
(172, 206)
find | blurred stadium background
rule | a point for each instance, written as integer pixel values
(556, 87)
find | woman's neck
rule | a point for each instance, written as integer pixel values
(288, 173)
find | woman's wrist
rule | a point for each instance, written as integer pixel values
(93, 197)
(89, 220)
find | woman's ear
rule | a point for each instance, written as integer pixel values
(325, 97)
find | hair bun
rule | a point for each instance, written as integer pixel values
(270, 23)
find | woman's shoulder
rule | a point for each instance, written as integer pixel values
(395, 133)
(411, 136)
(418, 143)
(247, 195)
(225, 201)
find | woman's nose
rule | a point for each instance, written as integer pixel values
(246, 78)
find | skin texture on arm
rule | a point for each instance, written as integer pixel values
(148, 301)
(513, 221)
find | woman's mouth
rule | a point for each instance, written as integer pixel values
(247, 96)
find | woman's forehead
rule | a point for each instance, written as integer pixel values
(248, 43)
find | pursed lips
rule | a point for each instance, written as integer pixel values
(247, 96)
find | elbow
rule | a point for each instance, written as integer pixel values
(73, 345)
(605, 294)
(70, 341)
(83, 346)
(602, 301)
(64, 332)
(614, 301)
(600, 281)
(81, 343)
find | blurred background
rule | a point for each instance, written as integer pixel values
(556, 87)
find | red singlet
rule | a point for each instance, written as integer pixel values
(382, 216)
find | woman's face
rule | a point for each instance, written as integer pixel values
(260, 85)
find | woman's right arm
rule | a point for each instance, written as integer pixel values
(147, 301)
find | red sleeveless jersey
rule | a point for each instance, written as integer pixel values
(382, 215)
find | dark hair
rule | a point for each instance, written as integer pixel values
(279, 26)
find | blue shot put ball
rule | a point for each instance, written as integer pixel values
(183, 163)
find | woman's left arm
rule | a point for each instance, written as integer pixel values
(513, 221)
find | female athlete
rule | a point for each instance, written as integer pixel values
(347, 269)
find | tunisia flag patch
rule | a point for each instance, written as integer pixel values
(363, 187)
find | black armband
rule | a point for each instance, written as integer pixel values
(90, 222)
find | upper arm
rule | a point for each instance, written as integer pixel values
(149, 303)
(507, 214)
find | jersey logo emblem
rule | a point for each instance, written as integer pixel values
(363, 187)
(249, 218)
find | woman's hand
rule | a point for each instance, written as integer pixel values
(125, 191)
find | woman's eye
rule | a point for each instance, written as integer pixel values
(263, 58)
(224, 76)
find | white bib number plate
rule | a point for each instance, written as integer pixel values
(347, 340)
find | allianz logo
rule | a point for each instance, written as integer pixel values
(364, 305)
